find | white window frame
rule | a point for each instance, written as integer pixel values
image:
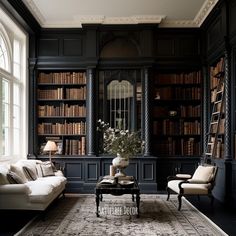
(10, 33)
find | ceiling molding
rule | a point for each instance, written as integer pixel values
(162, 20)
(35, 11)
(204, 11)
(178, 24)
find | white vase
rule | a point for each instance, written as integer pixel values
(120, 163)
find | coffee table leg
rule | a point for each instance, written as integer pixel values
(132, 197)
(138, 202)
(97, 204)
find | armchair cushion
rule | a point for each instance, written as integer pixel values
(203, 174)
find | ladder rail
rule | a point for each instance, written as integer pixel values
(216, 117)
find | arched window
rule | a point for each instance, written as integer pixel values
(4, 59)
(12, 90)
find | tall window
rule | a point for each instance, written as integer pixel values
(12, 91)
(4, 64)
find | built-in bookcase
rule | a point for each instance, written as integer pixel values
(61, 111)
(177, 114)
(217, 72)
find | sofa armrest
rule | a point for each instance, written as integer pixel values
(14, 188)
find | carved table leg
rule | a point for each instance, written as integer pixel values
(97, 203)
(138, 202)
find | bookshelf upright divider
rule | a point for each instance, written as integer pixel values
(61, 111)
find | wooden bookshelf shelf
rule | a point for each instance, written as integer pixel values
(177, 114)
(61, 111)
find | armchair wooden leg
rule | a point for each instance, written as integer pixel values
(180, 201)
(168, 194)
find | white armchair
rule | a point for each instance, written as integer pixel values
(201, 183)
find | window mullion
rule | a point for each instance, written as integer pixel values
(11, 107)
(1, 112)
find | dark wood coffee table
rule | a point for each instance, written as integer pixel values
(117, 189)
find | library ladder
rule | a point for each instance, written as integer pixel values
(213, 139)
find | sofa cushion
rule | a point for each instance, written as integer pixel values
(13, 178)
(204, 174)
(3, 175)
(19, 171)
(47, 169)
(40, 191)
(30, 173)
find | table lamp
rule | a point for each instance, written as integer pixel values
(50, 147)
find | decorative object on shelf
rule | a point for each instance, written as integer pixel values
(173, 113)
(50, 147)
(122, 143)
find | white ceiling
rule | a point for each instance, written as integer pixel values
(73, 13)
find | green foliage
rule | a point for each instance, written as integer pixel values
(116, 141)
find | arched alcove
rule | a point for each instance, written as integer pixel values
(119, 47)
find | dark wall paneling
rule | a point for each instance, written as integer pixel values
(147, 171)
(219, 189)
(92, 171)
(165, 47)
(216, 30)
(106, 167)
(132, 169)
(190, 46)
(74, 171)
(232, 22)
(72, 47)
(234, 183)
(188, 168)
(48, 47)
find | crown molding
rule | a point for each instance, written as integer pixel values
(35, 11)
(78, 20)
(204, 11)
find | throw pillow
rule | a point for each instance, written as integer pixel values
(19, 171)
(13, 178)
(29, 173)
(47, 169)
(39, 170)
(203, 174)
(3, 176)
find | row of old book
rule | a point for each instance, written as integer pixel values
(221, 128)
(183, 78)
(219, 67)
(58, 93)
(183, 147)
(74, 128)
(181, 111)
(75, 146)
(63, 110)
(169, 127)
(62, 78)
(169, 93)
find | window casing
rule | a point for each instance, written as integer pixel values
(12, 93)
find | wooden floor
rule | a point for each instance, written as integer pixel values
(224, 217)
(12, 221)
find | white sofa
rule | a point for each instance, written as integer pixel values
(31, 194)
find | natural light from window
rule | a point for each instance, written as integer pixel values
(13, 129)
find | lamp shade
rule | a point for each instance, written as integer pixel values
(50, 146)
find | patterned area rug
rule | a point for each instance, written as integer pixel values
(75, 215)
